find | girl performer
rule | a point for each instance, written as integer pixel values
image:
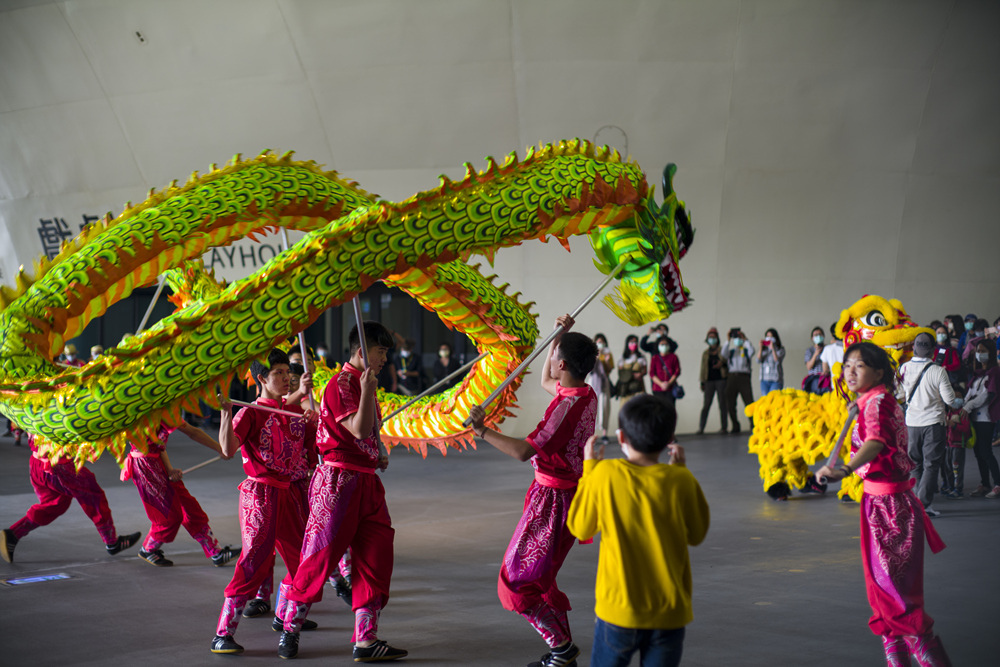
(893, 522)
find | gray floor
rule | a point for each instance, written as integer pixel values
(775, 583)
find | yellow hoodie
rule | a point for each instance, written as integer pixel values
(647, 517)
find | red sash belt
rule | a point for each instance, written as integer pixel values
(553, 482)
(270, 481)
(134, 454)
(874, 488)
(349, 466)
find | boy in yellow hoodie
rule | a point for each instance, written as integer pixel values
(647, 513)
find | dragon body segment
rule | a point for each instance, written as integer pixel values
(352, 240)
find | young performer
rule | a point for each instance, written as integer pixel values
(56, 485)
(647, 513)
(169, 505)
(261, 603)
(541, 541)
(271, 515)
(347, 504)
(893, 522)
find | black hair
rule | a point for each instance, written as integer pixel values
(671, 343)
(981, 324)
(626, 353)
(447, 345)
(991, 357)
(600, 335)
(877, 359)
(935, 324)
(735, 331)
(813, 330)
(296, 369)
(833, 331)
(956, 322)
(777, 338)
(258, 371)
(375, 334)
(293, 347)
(579, 352)
(648, 423)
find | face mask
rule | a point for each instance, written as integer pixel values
(942, 338)
(712, 341)
(954, 343)
(981, 357)
(632, 346)
(321, 354)
(663, 349)
(737, 342)
(969, 325)
(70, 357)
(769, 339)
(404, 353)
(443, 353)
(977, 334)
(600, 345)
(818, 340)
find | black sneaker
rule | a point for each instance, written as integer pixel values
(123, 542)
(226, 644)
(7, 544)
(257, 607)
(378, 652)
(227, 554)
(564, 657)
(288, 645)
(278, 625)
(155, 557)
(344, 591)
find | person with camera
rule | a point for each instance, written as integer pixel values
(770, 357)
(738, 353)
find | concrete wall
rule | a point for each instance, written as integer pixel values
(826, 149)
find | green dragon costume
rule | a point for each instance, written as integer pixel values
(352, 239)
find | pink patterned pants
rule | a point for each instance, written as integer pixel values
(540, 544)
(169, 505)
(56, 486)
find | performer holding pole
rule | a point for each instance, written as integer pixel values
(541, 541)
(347, 501)
(893, 522)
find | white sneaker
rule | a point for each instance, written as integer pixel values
(995, 493)
(931, 512)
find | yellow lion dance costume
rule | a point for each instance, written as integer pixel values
(792, 429)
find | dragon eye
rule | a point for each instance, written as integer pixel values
(875, 319)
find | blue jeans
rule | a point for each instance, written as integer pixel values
(614, 646)
(767, 386)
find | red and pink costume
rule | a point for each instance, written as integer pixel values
(541, 541)
(272, 515)
(56, 485)
(893, 529)
(346, 509)
(169, 505)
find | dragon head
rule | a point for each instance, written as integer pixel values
(883, 322)
(651, 244)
